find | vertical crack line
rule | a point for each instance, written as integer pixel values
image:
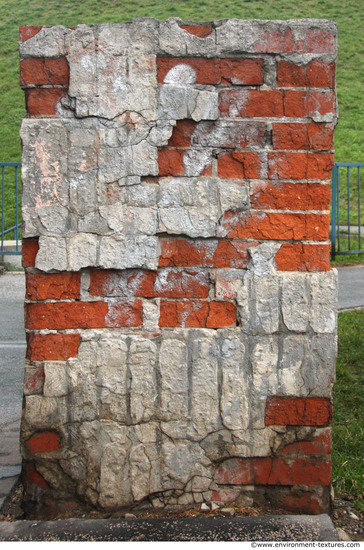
(158, 382)
(219, 344)
(190, 373)
(128, 382)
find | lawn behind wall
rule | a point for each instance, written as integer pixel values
(348, 425)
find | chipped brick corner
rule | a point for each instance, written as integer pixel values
(180, 305)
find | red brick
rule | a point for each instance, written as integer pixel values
(274, 471)
(316, 74)
(298, 471)
(204, 253)
(314, 136)
(63, 315)
(52, 347)
(43, 101)
(237, 71)
(166, 283)
(276, 41)
(53, 286)
(170, 162)
(30, 249)
(299, 103)
(40, 71)
(290, 196)
(303, 257)
(45, 442)
(198, 30)
(298, 411)
(192, 313)
(240, 165)
(251, 103)
(28, 31)
(300, 166)
(274, 225)
(318, 446)
(33, 379)
(32, 476)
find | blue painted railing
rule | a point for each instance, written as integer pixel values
(11, 171)
(341, 235)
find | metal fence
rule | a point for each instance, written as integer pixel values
(347, 230)
(10, 223)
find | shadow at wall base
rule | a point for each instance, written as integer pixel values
(43, 503)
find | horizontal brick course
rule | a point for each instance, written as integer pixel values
(314, 41)
(43, 71)
(216, 71)
(276, 103)
(53, 286)
(275, 225)
(274, 471)
(311, 136)
(298, 411)
(63, 315)
(52, 347)
(178, 313)
(316, 74)
(300, 166)
(289, 196)
(43, 101)
(204, 253)
(321, 444)
(165, 283)
(303, 257)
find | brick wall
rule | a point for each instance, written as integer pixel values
(180, 305)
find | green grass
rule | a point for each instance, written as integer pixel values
(348, 426)
(352, 259)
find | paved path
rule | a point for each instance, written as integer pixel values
(12, 354)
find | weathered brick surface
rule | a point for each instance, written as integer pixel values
(316, 74)
(269, 195)
(318, 136)
(40, 72)
(52, 347)
(209, 253)
(45, 442)
(300, 166)
(43, 101)
(30, 249)
(63, 315)
(192, 313)
(277, 226)
(198, 30)
(180, 304)
(303, 257)
(274, 471)
(53, 286)
(216, 71)
(298, 411)
(165, 283)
